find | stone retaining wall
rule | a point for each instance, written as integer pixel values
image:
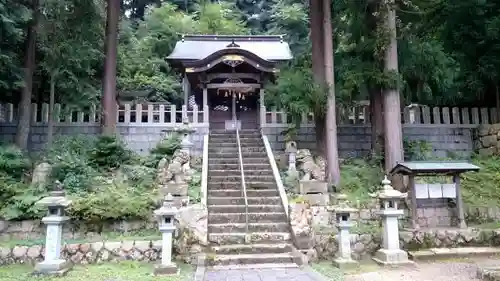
(34, 229)
(86, 253)
(324, 246)
(487, 141)
(364, 245)
(355, 140)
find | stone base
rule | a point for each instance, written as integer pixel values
(169, 269)
(345, 264)
(392, 257)
(56, 268)
(317, 199)
(176, 189)
(313, 186)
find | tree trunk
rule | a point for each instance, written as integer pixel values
(108, 113)
(497, 103)
(392, 104)
(23, 125)
(332, 158)
(320, 133)
(316, 26)
(50, 124)
(377, 122)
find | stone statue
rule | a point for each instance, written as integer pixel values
(311, 170)
(175, 171)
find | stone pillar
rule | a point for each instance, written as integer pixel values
(206, 108)
(166, 223)
(291, 149)
(56, 204)
(343, 214)
(390, 253)
(262, 110)
(186, 89)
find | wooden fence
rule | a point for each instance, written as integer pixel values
(126, 113)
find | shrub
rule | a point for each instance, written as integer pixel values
(112, 202)
(165, 148)
(13, 161)
(109, 152)
(482, 188)
(194, 187)
(17, 199)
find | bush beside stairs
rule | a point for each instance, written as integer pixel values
(268, 241)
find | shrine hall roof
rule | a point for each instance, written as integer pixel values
(197, 47)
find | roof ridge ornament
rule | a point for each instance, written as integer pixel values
(233, 44)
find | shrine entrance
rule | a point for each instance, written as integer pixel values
(224, 75)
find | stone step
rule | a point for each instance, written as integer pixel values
(242, 209)
(239, 200)
(244, 131)
(244, 149)
(255, 266)
(262, 155)
(217, 218)
(237, 178)
(244, 141)
(238, 192)
(236, 166)
(253, 227)
(253, 237)
(225, 260)
(236, 172)
(256, 136)
(252, 249)
(449, 253)
(236, 160)
(250, 185)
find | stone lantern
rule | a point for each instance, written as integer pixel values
(56, 204)
(186, 132)
(343, 219)
(291, 149)
(166, 223)
(390, 253)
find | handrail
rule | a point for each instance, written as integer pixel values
(276, 173)
(243, 182)
(204, 172)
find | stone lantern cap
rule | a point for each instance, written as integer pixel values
(388, 192)
(168, 208)
(342, 205)
(291, 147)
(56, 198)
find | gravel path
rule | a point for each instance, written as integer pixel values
(435, 271)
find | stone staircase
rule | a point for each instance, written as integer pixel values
(269, 241)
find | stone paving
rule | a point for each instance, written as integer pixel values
(274, 274)
(459, 270)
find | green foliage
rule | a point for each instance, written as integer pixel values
(194, 188)
(165, 148)
(359, 179)
(109, 152)
(113, 201)
(416, 150)
(296, 92)
(482, 188)
(13, 161)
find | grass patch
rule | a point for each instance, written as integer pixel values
(108, 236)
(327, 270)
(123, 271)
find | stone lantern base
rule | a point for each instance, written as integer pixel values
(56, 267)
(166, 269)
(345, 264)
(392, 257)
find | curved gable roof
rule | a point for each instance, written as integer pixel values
(198, 47)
